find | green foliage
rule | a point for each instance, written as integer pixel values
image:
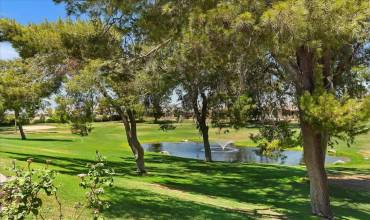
(79, 126)
(318, 24)
(105, 111)
(81, 99)
(61, 110)
(63, 39)
(24, 84)
(275, 137)
(98, 177)
(156, 84)
(340, 118)
(242, 110)
(139, 111)
(21, 195)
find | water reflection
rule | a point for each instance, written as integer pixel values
(228, 154)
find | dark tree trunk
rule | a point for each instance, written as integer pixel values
(157, 110)
(21, 131)
(201, 117)
(314, 141)
(20, 126)
(207, 146)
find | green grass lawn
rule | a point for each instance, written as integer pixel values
(177, 188)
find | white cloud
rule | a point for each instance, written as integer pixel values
(7, 52)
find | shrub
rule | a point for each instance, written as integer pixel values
(167, 126)
(81, 128)
(97, 177)
(20, 196)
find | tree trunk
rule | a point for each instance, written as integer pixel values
(314, 141)
(23, 135)
(15, 126)
(19, 124)
(314, 157)
(134, 142)
(201, 118)
(207, 146)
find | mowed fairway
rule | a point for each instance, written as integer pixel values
(177, 188)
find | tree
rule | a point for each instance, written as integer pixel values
(61, 109)
(82, 96)
(80, 48)
(318, 44)
(23, 85)
(157, 84)
(105, 110)
(201, 64)
(319, 53)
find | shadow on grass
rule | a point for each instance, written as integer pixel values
(37, 139)
(279, 187)
(142, 204)
(73, 166)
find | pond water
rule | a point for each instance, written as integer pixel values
(229, 153)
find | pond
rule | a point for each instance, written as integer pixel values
(229, 153)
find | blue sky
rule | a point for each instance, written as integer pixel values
(27, 11)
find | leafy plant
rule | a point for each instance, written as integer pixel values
(21, 195)
(98, 176)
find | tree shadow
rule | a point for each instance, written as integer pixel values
(281, 187)
(37, 139)
(143, 204)
(74, 166)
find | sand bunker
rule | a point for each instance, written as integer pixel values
(38, 127)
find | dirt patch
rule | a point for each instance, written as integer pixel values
(2, 179)
(366, 153)
(36, 128)
(356, 182)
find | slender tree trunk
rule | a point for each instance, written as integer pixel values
(207, 146)
(201, 118)
(314, 141)
(23, 135)
(139, 156)
(19, 124)
(15, 125)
